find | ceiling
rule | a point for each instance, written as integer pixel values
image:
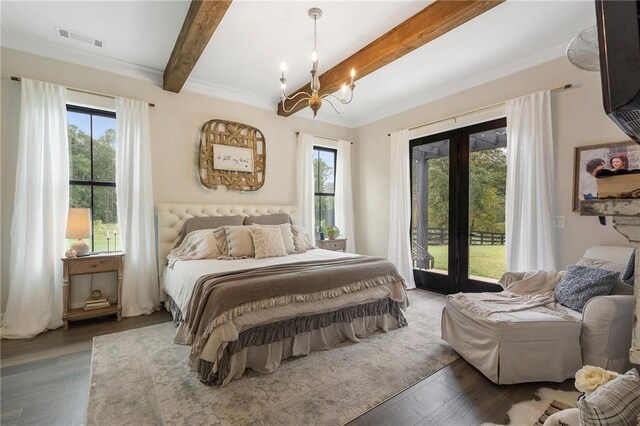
(242, 60)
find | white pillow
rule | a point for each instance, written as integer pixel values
(287, 235)
(200, 244)
(267, 242)
(301, 240)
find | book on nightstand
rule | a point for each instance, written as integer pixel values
(620, 184)
(96, 304)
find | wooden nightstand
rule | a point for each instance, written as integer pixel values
(339, 244)
(106, 262)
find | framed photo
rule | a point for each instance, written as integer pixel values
(589, 159)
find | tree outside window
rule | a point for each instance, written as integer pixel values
(92, 160)
(324, 183)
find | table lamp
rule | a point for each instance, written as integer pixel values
(79, 226)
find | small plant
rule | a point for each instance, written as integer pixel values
(331, 232)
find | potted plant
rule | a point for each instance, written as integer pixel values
(332, 232)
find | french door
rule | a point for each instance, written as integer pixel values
(458, 182)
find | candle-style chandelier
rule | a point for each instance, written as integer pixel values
(315, 99)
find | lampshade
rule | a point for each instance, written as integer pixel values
(79, 223)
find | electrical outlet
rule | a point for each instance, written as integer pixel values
(558, 222)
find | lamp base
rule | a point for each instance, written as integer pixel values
(81, 247)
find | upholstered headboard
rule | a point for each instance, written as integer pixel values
(171, 216)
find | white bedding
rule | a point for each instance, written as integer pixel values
(178, 282)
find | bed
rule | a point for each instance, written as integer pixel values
(253, 313)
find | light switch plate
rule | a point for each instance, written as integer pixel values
(558, 221)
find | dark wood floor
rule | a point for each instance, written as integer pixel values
(45, 380)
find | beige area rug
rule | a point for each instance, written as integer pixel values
(528, 412)
(140, 377)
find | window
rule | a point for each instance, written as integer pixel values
(92, 171)
(324, 184)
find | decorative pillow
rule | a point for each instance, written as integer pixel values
(267, 242)
(615, 403)
(621, 288)
(301, 240)
(268, 219)
(581, 283)
(287, 235)
(629, 270)
(235, 242)
(207, 222)
(200, 244)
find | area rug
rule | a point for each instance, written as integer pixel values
(140, 377)
(528, 412)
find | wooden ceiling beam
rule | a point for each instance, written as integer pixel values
(199, 25)
(437, 19)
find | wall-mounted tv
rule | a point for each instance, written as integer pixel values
(619, 41)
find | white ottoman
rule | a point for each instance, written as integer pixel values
(515, 347)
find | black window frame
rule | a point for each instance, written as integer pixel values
(91, 183)
(334, 151)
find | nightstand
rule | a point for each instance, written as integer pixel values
(93, 264)
(339, 244)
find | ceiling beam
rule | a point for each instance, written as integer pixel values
(438, 18)
(199, 25)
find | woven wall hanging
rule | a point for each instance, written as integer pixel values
(232, 154)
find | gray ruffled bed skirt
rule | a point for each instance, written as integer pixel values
(281, 330)
(171, 306)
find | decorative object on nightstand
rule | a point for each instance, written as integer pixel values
(337, 244)
(79, 226)
(332, 232)
(72, 266)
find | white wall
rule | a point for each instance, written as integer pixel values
(175, 126)
(579, 119)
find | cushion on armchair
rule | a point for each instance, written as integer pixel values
(629, 270)
(615, 403)
(581, 283)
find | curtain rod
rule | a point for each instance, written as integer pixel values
(323, 137)
(554, 90)
(74, 89)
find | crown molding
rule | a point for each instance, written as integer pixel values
(88, 59)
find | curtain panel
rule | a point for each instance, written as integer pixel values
(304, 175)
(344, 195)
(134, 193)
(530, 184)
(399, 251)
(39, 221)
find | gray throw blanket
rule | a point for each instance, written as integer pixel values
(220, 297)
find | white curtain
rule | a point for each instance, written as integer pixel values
(304, 161)
(400, 207)
(39, 219)
(134, 191)
(530, 184)
(344, 195)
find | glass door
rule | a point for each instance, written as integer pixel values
(458, 181)
(487, 191)
(430, 212)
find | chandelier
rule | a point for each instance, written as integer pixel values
(315, 99)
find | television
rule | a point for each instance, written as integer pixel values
(619, 42)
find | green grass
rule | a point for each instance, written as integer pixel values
(484, 261)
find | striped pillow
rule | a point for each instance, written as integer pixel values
(615, 403)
